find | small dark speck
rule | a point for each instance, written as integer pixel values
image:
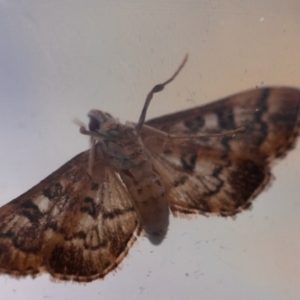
(95, 186)
(167, 151)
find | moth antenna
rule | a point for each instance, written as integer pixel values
(156, 89)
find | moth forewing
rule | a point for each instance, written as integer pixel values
(223, 175)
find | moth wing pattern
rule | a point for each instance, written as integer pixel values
(223, 175)
(72, 225)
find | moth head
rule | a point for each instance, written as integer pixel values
(98, 118)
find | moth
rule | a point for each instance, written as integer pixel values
(80, 222)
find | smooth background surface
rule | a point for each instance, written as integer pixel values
(59, 59)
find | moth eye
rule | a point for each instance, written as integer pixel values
(94, 124)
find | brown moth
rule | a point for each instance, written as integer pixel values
(80, 222)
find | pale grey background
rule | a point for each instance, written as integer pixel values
(60, 58)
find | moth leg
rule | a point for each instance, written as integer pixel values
(149, 133)
(91, 157)
(209, 135)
